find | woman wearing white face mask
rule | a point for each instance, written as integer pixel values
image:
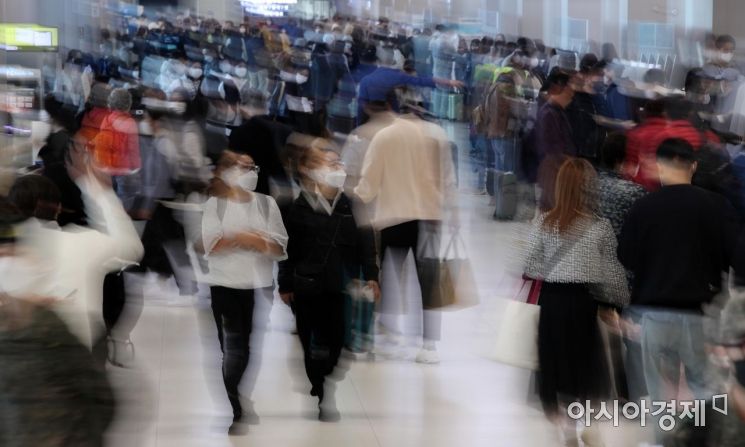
(327, 251)
(195, 75)
(242, 236)
(241, 81)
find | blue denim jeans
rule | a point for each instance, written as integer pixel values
(478, 158)
(503, 154)
(669, 339)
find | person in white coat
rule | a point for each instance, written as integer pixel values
(72, 262)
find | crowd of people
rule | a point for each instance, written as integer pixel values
(315, 147)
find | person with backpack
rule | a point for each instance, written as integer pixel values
(242, 237)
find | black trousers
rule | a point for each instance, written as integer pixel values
(402, 238)
(320, 326)
(233, 311)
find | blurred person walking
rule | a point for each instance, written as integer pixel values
(327, 251)
(54, 393)
(573, 252)
(110, 244)
(408, 172)
(242, 237)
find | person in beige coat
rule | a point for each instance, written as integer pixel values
(407, 176)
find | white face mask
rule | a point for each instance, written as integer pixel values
(238, 178)
(195, 73)
(226, 68)
(301, 79)
(534, 62)
(241, 72)
(328, 177)
(194, 29)
(136, 74)
(726, 57)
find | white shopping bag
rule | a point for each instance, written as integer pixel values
(517, 334)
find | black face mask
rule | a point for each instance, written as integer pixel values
(740, 371)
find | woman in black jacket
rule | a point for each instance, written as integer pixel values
(326, 251)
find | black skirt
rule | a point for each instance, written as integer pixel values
(572, 364)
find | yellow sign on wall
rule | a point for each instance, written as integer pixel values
(28, 37)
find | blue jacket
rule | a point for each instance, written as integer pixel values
(618, 105)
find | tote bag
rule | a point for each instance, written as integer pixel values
(517, 337)
(445, 272)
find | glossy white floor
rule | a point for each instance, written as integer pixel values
(174, 394)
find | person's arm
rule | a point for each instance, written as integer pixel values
(274, 242)
(118, 243)
(627, 240)
(534, 259)
(630, 166)
(286, 273)
(615, 284)
(212, 235)
(422, 81)
(368, 258)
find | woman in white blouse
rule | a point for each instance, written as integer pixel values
(242, 237)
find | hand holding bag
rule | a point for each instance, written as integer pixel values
(446, 275)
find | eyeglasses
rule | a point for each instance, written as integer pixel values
(253, 168)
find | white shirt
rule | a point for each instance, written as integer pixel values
(240, 268)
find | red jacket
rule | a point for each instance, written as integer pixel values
(640, 164)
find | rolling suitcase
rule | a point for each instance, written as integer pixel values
(455, 106)
(505, 195)
(491, 174)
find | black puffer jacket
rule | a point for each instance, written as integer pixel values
(331, 249)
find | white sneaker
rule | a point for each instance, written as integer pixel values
(428, 357)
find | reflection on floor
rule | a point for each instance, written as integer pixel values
(174, 395)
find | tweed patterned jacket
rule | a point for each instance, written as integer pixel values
(585, 254)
